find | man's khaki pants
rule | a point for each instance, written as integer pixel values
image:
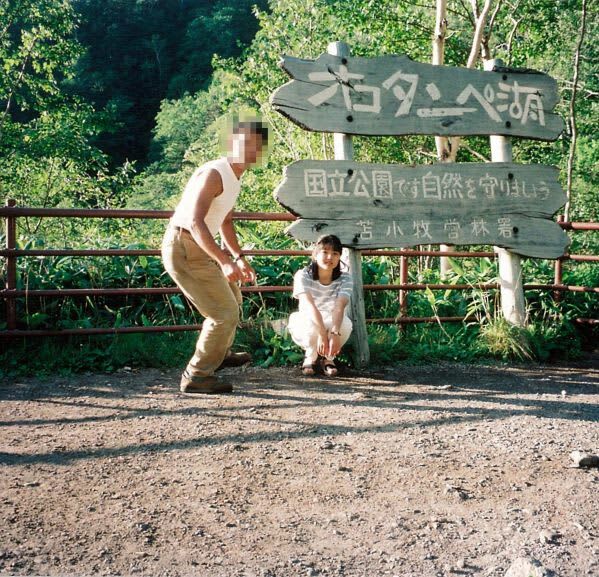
(202, 281)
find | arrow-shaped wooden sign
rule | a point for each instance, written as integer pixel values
(379, 205)
(393, 95)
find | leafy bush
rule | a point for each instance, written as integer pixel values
(551, 333)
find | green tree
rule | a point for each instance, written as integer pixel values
(139, 52)
(37, 51)
(46, 134)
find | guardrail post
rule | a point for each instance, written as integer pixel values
(403, 294)
(510, 269)
(558, 271)
(344, 150)
(11, 268)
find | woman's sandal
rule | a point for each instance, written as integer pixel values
(308, 369)
(328, 367)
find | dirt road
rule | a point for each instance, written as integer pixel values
(410, 471)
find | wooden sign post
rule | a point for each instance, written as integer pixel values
(366, 205)
(391, 205)
(511, 285)
(393, 95)
(344, 150)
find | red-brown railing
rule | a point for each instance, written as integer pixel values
(10, 293)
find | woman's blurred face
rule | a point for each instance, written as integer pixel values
(327, 257)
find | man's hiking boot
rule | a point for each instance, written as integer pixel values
(235, 360)
(204, 385)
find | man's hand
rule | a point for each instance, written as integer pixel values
(248, 274)
(231, 271)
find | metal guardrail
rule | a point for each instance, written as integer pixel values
(11, 253)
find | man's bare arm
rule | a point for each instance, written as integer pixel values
(210, 186)
(229, 236)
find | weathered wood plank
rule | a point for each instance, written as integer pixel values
(343, 189)
(520, 233)
(393, 95)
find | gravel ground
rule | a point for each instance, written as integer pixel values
(411, 471)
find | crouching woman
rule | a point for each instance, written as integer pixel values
(321, 326)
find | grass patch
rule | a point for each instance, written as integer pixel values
(96, 353)
(546, 340)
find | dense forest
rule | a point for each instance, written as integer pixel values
(85, 79)
(136, 54)
(110, 103)
(99, 101)
(92, 87)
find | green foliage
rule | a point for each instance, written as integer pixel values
(551, 334)
(54, 154)
(49, 162)
(98, 353)
(45, 134)
(270, 348)
(556, 338)
(152, 191)
(37, 50)
(505, 341)
(547, 338)
(182, 122)
(68, 272)
(139, 53)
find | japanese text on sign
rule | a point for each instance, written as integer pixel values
(420, 230)
(449, 185)
(522, 103)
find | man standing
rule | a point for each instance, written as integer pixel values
(204, 272)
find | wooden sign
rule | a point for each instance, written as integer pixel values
(393, 95)
(382, 206)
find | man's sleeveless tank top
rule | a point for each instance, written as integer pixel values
(221, 205)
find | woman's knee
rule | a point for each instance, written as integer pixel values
(301, 329)
(345, 329)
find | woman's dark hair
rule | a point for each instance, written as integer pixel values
(329, 240)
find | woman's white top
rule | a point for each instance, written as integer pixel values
(324, 296)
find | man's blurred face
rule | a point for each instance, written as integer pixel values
(245, 147)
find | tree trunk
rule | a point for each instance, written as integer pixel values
(441, 142)
(573, 130)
